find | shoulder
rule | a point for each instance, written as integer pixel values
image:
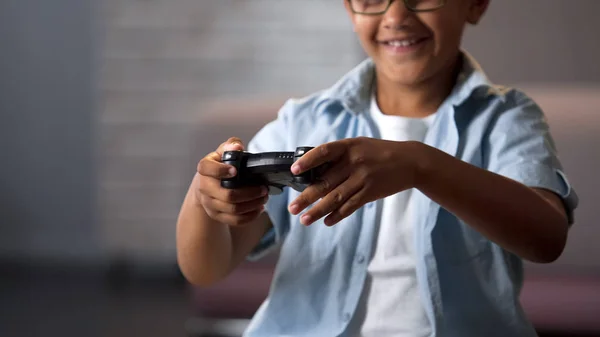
(514, 97)
(351, 93)
(303, 107)
(512, 105)
(309, 109)
(476, 92)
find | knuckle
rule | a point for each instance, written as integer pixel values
(358, 159)
(201, 187)
(201, 166)
(303, 200)
(324, 150)
(200, 197)
(351, 203)
(230, 208)
(211, 213)
(338, 197)
(325, 185)
(355, 140)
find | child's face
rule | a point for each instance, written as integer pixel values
(410, 47)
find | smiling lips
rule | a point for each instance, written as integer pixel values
(403, 45)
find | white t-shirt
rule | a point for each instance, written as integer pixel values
(391, 304)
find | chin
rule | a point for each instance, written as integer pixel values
(406, 74)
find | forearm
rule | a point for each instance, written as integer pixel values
(204, 246)
(508, 213)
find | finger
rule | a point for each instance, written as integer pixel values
(242, 194)
(236, 209)
(232, 144)
(212, 187)
(350, 206)
(331, 201)
(210, 167)
(321, 154)
(238, 220)
(325, 184)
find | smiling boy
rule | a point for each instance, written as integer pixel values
(440, 184)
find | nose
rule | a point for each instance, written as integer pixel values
(396, 15)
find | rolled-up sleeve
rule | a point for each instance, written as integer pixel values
(519, 146)
(273, 137)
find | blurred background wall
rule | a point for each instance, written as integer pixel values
(164, 62)
(48, 100)
(99, 101)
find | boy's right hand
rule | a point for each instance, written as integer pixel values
(233, 207)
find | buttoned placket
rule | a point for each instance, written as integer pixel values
(425, 222)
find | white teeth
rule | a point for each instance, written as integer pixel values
(402, 43)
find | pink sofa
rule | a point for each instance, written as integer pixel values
(567, 303)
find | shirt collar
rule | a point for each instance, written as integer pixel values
(353, 90)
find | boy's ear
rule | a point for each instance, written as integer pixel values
(476, 10)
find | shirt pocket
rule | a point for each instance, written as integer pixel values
(308, 243)
(317, 242)
(455, 242)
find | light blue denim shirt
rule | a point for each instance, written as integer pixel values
(470, 284)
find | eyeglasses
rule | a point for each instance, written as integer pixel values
(377, 7)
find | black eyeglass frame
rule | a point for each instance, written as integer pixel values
(414, 10)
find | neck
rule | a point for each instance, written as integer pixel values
(416, 100)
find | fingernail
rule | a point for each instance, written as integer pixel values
(305, 219)
(232, 171)
(295, 169)
(264, 190)
(294, 208)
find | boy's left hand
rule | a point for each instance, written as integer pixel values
(360, 170)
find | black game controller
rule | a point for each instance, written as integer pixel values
(270, 169)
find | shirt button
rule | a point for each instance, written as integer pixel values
(360, 258)
(347, 317)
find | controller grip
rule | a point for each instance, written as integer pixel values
(230, 183)
(307, 177)
(233, 158)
